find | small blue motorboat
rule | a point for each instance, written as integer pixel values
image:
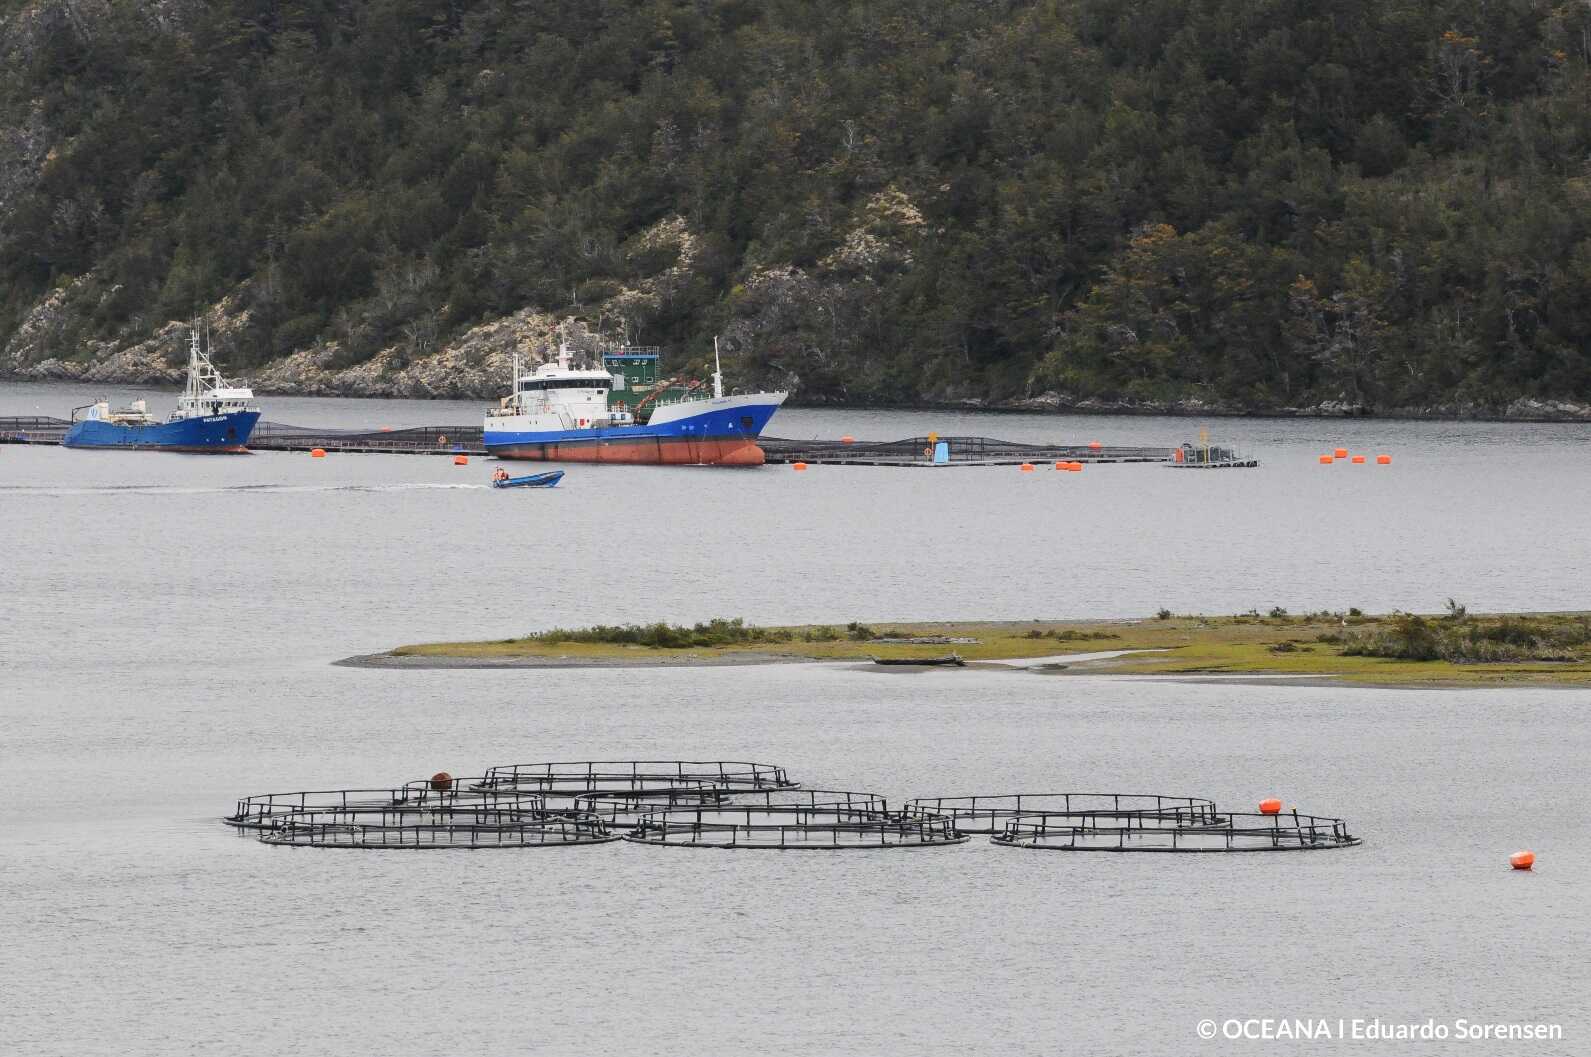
(500, 479)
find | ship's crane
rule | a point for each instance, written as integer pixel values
(689, 385)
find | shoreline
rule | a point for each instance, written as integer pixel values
(1523, 410)
(397, 662)
(1040, 666)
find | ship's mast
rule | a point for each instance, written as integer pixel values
(195, 366)
(565, 354)
(718, 372)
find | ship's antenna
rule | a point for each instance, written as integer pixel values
(718, 372)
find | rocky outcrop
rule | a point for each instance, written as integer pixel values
(474, 366)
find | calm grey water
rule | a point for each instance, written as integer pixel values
(169, 623)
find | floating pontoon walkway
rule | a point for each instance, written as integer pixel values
(913, 451)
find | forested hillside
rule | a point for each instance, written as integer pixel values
(1242, 204)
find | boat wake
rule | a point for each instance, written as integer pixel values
(160, 489)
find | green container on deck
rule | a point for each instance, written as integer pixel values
(636, 380)
(634, 371)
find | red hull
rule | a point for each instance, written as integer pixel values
(671, 451)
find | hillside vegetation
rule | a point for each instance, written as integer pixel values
(1367, 204)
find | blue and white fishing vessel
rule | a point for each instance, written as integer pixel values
(211, 416)
(563, 413)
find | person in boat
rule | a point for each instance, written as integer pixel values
(499, 474)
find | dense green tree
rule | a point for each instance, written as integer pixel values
(1251, 202)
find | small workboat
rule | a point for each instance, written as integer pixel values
(500, 479)
(952, 660)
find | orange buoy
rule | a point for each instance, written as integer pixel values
(1522, 860)
(442, 780)
(1096, 445)
(1027, 467)
(1062, 465)
(1076, 467)
(1383, 460)
(798, 466)
(1271, 806)
(847, 439)
(1341, 453)
(317, 453)
(1358, 459)
(1325, 460)
(461, 460)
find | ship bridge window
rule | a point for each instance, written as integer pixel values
(598, 385)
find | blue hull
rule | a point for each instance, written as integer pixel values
(725, 436)
(212, 433)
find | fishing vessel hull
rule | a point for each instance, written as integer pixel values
(722, 431)
(210, 433)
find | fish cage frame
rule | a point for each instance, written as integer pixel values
(792, 828)
(988, 813)
(567, 779)
(257, 811)
(1237, 831)
(453, 829)
(615, 807)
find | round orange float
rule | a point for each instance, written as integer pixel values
(1383, 460)
(798, 466)
(1325, 460)
(442, 781)
(317, 453)
(461, 460)
(1271, 806)
(1357, 459)
(1522, 860)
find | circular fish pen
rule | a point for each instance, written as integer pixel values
(989, 814)
(435, 828)
(567, 780)
(1233, 832)
(259, 811)
(623, 810)
(792, 827)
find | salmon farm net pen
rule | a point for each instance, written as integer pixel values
(254, 812)
(792, 828)
(1246, 832)
(988, 814)
(597, 776)
(625, 809)
(436, 828)
(742, 805)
